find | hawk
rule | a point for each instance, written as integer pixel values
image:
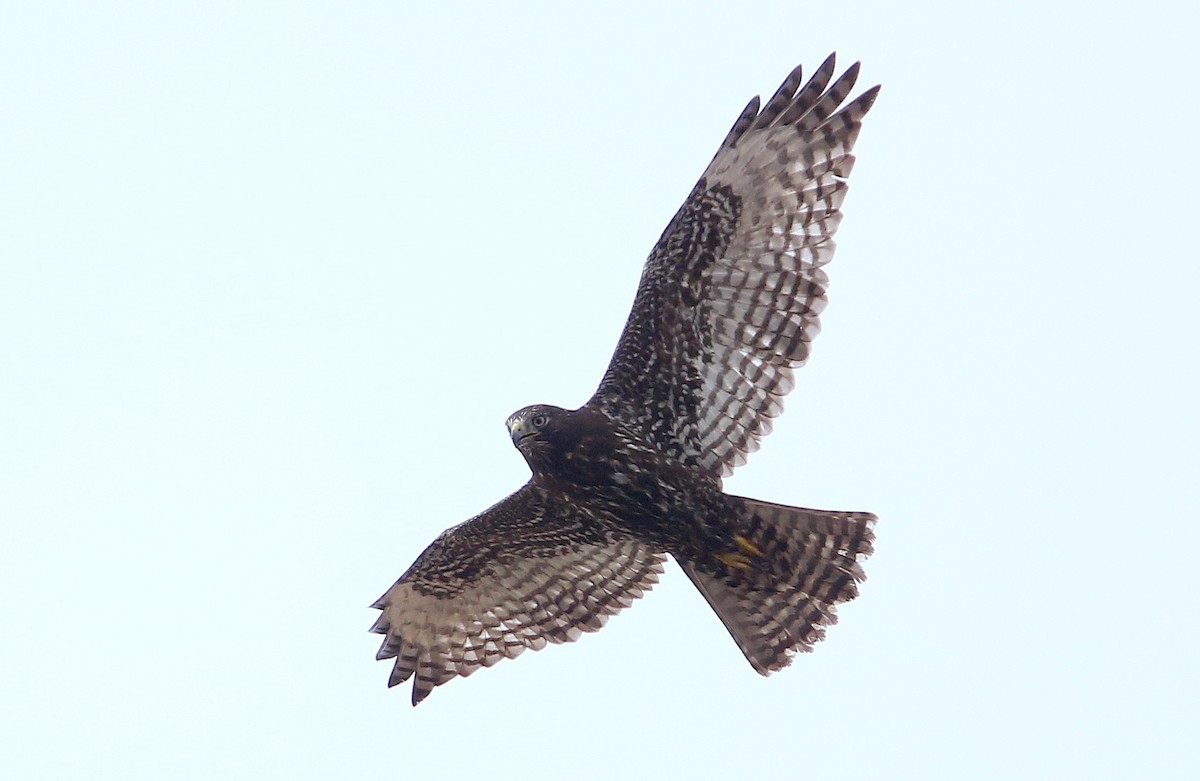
(728, 303)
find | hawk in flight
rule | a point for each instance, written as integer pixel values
(728, 303)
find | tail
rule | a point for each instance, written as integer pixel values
(811, 560)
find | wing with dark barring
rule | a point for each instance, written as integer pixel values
(528, 571)
(730, 297)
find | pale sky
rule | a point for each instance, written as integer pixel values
(273, 275)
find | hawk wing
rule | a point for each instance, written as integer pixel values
(529, 570)
(730, 296)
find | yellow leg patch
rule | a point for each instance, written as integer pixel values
(746, 545)
(734, 560)
(740, 559)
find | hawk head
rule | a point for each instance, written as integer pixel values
(530, 426)
(557, 441)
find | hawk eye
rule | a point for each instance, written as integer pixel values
(540, 420)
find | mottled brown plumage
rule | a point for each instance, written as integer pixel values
(728, 303)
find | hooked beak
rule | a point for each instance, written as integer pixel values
(518, 431)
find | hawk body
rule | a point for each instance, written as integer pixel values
(628, 486)
(726, 308)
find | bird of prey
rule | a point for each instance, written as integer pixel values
(728, 303)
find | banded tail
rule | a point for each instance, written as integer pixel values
(813, 564)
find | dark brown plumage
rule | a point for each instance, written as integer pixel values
(728, 303)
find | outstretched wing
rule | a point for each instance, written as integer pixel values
(528, 571)
(730, 296)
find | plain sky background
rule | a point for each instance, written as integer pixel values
(272, 275)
